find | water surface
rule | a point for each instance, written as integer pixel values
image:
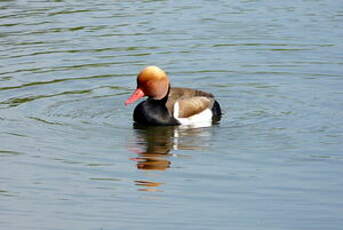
(72, 159)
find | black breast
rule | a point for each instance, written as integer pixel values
(153, 112)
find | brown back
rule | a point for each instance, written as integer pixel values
(190, 101)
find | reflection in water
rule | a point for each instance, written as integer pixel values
(154, 146)
(149, 185)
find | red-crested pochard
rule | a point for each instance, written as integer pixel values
(170, 106)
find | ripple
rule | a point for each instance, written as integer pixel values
(46, 122)
(6, 193)
(18, 101)
(64, 80)
(104, 179)
(64, 12)
(102, 109)
(67, 140)
(9, 153)
(80, 51)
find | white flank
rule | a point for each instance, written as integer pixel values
(176, 110)
(203, 119)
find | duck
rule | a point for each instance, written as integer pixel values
(168, 105)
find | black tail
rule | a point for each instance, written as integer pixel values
(217, 111)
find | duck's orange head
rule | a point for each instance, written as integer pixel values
(152, 82)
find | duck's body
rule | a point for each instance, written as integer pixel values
(171, 106)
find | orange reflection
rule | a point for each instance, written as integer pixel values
(148, 184)
(153, 163)
(157, 143)
(153, 146)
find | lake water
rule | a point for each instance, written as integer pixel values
(72, 159)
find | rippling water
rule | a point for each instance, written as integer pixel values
(72, 159)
